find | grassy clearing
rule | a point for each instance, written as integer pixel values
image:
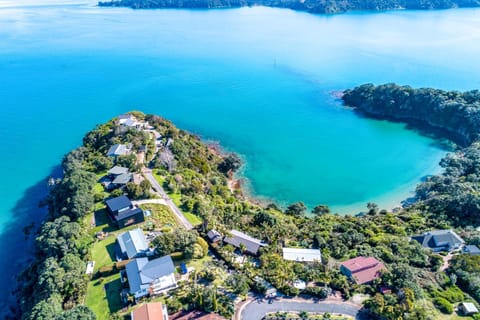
(160, 179)
(103, 296)
(161, 216)
(103, 252)
(193, 219)
(98, 188)
(198, 264)
(431, 310)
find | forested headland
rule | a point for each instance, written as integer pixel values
(197, 177)
(313, 6)
(452, 114)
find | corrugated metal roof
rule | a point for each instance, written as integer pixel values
(238, 238)
(302, 255)
(439, 238)
(133, 274)
(132, 242)
(124, 178)
(469, 307)
(117, 150)
(117, 170)
(141, 272)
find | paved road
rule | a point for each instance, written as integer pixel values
(157, 201)
(156, 186)
(256, 310)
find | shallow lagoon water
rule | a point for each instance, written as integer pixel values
(257, 80)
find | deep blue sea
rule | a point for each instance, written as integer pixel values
(257, 80)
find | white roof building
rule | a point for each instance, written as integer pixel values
(90, 266)
(468, 308)
(302, 255)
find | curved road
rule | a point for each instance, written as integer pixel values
(256, 309)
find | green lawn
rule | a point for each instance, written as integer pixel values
(198, 264)
(103, 296)
(193, 219)
(103, 252)
(160, 179)
(98, 188)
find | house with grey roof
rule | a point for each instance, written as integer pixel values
(117, 177)
(122, 179)
(123, 212)
(241, 240)
(471, 249)
(116, 171)
(150, 277)
(214, 236)
(440, 240)
(118, 150)
(132, 244)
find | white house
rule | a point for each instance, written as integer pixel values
(150, 277)
(468, 308)
(302, 255)
(132, 244)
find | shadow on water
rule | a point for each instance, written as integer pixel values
(441, 138)
(16, 246)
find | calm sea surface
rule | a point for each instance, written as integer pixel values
(257, 80)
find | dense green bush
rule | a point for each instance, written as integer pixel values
(443, 305)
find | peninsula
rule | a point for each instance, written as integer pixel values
(313, 6)
(145, 218)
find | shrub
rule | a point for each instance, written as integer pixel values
(203, 244)
(290, 291)
(452, 294)
(443, 305)
(106, 271)
(317, 292)
(177, 256)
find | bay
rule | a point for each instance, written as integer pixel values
(257, 80)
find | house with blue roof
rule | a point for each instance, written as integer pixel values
(150, 277)
(132, 244)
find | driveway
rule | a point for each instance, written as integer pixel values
(257, 309)
(159, 190)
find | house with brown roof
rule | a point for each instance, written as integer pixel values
(362, 270)
(150, 311)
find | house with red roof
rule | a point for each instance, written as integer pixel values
(362, 270)
(150, 311)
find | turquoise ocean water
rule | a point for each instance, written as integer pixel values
(257, 80)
